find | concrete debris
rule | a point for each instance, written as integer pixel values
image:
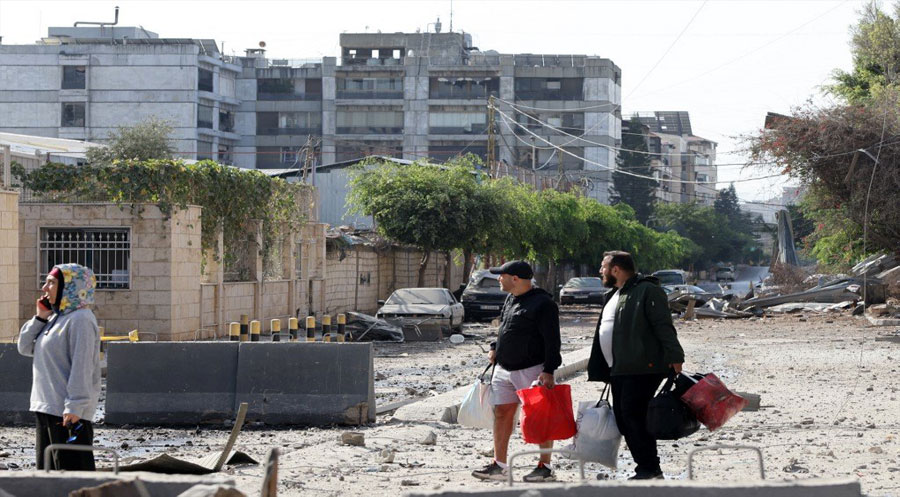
(366, 328)
(430, 439)
(386, 456)
(354, 438)
(874, 265)
(795, 467)
(211, 491)
(792, 307)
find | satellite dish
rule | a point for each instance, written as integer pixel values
(262, 44)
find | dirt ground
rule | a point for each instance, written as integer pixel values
(829, 409)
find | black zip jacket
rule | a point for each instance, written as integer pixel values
(529, 332)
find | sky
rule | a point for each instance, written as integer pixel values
(727, 62)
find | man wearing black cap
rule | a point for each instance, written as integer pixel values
(526, 352)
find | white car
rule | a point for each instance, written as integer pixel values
(423, 306)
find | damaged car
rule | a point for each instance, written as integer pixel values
(419, 308)
(482, 297)
(582, 290)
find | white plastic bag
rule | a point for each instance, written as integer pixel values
(598, 438)
(476, 410)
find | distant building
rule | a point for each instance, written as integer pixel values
(81, 83)
(678, 155)
(403, 95)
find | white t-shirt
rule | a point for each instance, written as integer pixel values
(607, 321)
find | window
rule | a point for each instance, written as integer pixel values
(204, 150)
(471, 88)
(289, 155)
(369, 121)
(107, 251)
(548, 88)
(457, 123)
(73, 115)
(369, 87)
(204, 80)
(226, 120)
(225, 154)
(204, 116)
(359, 149)
(73, 78)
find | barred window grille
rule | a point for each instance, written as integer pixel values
(107, 251)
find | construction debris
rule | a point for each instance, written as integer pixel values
(366, 328)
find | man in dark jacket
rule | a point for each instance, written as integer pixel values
(526, 352)
(635, 347)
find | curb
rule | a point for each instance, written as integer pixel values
(445, 406)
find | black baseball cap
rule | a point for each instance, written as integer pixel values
(515, 268)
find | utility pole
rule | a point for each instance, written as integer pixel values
(491, 139)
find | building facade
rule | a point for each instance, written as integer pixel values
(684, 164)
(83, 83)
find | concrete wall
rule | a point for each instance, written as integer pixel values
(164, 295)
(9, 269)
(365, 275)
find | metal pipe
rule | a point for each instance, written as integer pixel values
(101, 24)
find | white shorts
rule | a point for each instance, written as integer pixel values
(505, 383)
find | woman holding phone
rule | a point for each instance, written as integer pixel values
(64, 340)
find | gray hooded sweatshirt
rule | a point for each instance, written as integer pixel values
(66, 351)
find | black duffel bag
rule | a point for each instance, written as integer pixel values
(668, 418)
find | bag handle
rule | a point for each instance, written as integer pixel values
(481, 376)
(604, 396)
(689, 376)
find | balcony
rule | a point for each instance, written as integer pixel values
(369, 95)
(546, 95)
(289, 96)
(370, 61)
(475, 129)
(289, 131)
(443, 94)
(369, 130)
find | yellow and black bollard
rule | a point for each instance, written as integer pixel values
(245, 328)
(341, 327)
(275, 325)
(254, 331)
(234, 332)
(310, 328)
(293, 328)
(326, 328)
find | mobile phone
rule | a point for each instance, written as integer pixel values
(45, 303)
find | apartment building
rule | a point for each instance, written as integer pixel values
(82, 83)
(684, 164)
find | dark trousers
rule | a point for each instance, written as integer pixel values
(630, 396)
(51, 431)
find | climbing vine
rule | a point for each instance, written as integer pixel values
(229, 196)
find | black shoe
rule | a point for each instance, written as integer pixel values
(492, 471)
(643, 475)
(539, 474)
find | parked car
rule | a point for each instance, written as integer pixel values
(725, 273)
(422, 306)
(671, 277)
(584, 290)
(483, 298)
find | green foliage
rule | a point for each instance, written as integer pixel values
(876, 57)
(457, 207)
(639, 193)
(230, 197)
(144, 141)
(714, 238)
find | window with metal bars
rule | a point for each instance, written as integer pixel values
(107, 251)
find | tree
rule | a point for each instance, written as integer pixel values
(420, 204)
(876, 57)
(727, 204)
(145, 141)
(713, 238)
(639, 193)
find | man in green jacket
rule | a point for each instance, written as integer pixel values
(635, 347)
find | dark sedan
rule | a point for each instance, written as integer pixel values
(587, 290)
(483, 298)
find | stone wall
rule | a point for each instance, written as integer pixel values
(9, 268)
(164, 294)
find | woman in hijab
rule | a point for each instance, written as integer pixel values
(64, 340)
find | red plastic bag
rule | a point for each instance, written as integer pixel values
(547, 413)
(712, 402)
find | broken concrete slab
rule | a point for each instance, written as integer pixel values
(444, 407)
(15, 386)
(875, 264)
(883, 321)
(307, 383)
(171, 382)
(834, 292)
(814, 487)
(810, 307)
(28, 483)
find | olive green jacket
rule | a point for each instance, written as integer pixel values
(644, 338)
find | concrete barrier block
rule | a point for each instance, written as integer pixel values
(171, 382)
(15, 386)
(307, 383)
(25, 483)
